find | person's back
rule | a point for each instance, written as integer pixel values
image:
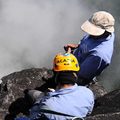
(75, 100)
(69, 98)
(94, 51)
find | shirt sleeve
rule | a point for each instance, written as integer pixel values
(79, 43)
(35, 114)
(89, 67)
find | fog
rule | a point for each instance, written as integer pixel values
(32, 32)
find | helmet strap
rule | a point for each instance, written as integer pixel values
(56, 77)
(75, 76)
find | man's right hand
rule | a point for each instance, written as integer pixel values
(70, 47)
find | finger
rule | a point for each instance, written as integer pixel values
(66, 45)
(69, 50)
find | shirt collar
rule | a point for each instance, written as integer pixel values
(64, 91)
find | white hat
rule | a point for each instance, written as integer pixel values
(99, 23)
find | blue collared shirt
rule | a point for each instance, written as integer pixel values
(75, 100)
(94, 55)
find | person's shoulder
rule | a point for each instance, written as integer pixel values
(113, 34)
(86, 92)
(86, 37)
(84, 88)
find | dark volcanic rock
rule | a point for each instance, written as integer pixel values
(13, 103)
(15, 84)
(107, 107)
(109, 116)
(98, 89)
(109, 103)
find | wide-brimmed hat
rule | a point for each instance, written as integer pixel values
(99, 23)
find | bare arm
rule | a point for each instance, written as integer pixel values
(71, 45)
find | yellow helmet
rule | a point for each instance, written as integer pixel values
(65, 62)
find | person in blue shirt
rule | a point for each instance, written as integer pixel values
(69, 98)
(94, 51)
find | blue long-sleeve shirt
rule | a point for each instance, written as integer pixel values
(75, 100)
(94, 55)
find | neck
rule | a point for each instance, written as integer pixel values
(64, 86)
(104, 35)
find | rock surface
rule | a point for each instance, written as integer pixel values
(107, 106)
(15, 84)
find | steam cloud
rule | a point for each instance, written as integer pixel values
(32, 32)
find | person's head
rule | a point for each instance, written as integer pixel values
(66, 68)
(99, 24)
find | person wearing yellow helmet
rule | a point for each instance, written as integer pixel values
(94, 52)
(68, 98)
(66, 67)
(64, 63)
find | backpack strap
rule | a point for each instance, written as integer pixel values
(59, 113)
